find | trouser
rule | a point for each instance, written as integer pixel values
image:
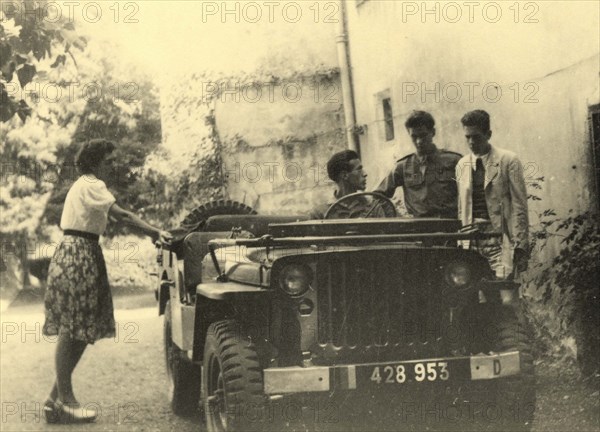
(494, 250)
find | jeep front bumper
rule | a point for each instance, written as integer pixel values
(298, 379)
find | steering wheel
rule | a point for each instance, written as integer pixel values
(378, 206)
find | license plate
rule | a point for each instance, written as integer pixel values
(409, 372)
(439, 370)
(413, 372)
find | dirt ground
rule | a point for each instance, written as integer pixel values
(124, 378)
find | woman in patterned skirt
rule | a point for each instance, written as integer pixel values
(78, 300)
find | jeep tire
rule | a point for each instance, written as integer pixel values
(232, 381)
(184, 376)
(515, 396)
(196, 219)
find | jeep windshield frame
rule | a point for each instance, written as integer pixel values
(426, 238)
(268, 241)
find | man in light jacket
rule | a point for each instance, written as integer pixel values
(492, 194)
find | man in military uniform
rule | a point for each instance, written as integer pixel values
(346, 170)
(426, 176)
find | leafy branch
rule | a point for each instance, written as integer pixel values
(27, 38)
(571, 278)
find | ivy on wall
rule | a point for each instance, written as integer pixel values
(565, 307)
(569, 282)
(202, 177)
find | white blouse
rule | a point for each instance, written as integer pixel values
(86, 205)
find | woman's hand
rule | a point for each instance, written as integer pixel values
(165, 237)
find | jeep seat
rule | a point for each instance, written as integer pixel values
(195, 247)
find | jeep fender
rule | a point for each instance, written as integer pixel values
(225, 300)
(223, 290)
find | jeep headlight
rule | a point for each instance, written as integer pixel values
(295, 279)
(458, 274)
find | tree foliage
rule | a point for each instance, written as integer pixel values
(30, 138)
(125, 109)
(30, 42)
(39, 142)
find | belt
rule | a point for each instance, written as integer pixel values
(83, 234)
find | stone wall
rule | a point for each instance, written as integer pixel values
(275, 147)
(272, 137)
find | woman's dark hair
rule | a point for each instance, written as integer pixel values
(92, 153)
(339, 163)
(477, 118)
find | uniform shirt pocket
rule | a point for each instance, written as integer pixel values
(413, 178)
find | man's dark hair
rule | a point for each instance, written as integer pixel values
(92, 153)
(478, 118)
(419, 118)
(339, 163)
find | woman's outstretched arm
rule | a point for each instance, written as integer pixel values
(129, 218)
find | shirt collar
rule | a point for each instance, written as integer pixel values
(89, 177)
(484, 158)
(422, 159)
(427, 157)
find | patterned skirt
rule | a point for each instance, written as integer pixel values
(78, 300)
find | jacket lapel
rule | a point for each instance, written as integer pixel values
(492, 167)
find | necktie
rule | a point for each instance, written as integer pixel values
(479, 204)
(479, 168)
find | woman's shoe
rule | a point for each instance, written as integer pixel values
(70, 414)
(51, 413)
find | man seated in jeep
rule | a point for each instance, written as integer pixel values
(346, 170)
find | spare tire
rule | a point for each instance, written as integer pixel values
(196, 219)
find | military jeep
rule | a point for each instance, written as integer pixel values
(367, 313)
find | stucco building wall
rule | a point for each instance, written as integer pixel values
(274, 139)
(275, 149)
(273, 145)
(423, 61)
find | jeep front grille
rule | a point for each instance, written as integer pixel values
(382, 299)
